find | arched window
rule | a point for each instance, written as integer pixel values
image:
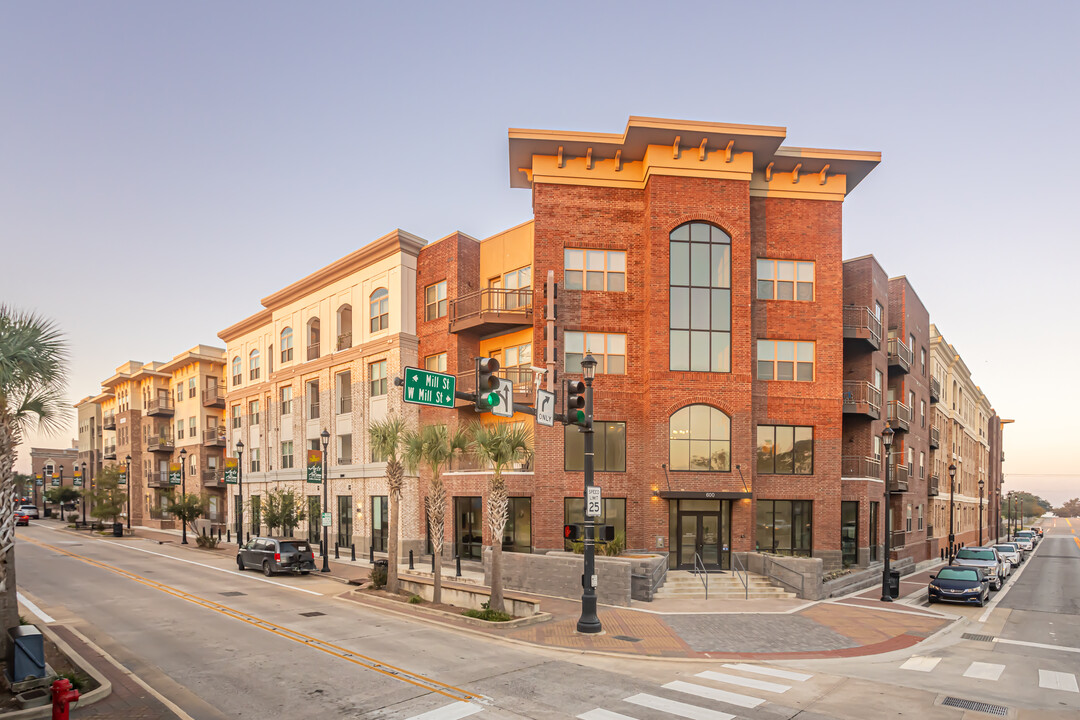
(253, 365)
(700, 298)
(286, 345)
(237, 369)
(314, 339)
(699, 439)
(344, 327)
(379, 305)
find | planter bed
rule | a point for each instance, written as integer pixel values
(400, 603)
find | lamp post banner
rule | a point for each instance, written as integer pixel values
(55, 480)
(174, 473)
(122, 480)
(314, 466)
(39, 479)
(77, 479)
(231, 467)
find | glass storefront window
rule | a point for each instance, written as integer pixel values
(468, 527)
(849, 532)
(517, 535)
(380, 521)
(785, 527)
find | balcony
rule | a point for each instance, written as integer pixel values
(899, 538)
(932, 486)
(110, 452)
(212, 478)
(862, 398)
(861, 325)
(214, 437)
(491, 309)
(313, 352)
(159, 514)
(898, 478)
(160, 443)
(108, 421)
(160, 407)
(469, 462)
(935, 437)
(857, 466)
(344, 341)
(159, 479)
(214, 396)
(899, 416)
(899, 356)
(523, 379)
(935, 390)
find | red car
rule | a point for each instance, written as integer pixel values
(21, 518)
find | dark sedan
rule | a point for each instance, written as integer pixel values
(959, 584)
(274, 555)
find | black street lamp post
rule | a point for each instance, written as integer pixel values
(127, 481)
(325, 502)
(61, 505)
(981, 485)
(240, 492)
(886, 591)
(952, 504)
(84, 492)
(183, 493)
(589, 622)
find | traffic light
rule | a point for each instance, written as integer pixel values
(572, 532)
(486, 383)
(575, 401)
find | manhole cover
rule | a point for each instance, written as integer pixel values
(314, 613)
(976, 706)
(627, 638)
(979, 638)
(232, 593)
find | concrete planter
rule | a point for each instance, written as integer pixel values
(468, 597)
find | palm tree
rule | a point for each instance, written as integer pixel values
(499, 446)
(386, 441)
(434, 446)
(33, 370)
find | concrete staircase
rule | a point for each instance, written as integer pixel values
(684, 585)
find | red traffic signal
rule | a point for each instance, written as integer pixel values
(572, 532)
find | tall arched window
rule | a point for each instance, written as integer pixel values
(253, 365)
(314, 339)
(286, 345)
(344, 327)
(700, 298)
(237, 370)
(699, 439)
(379, 306)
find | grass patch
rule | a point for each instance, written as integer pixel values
(415, 600)
(77, 679)
(488, 614)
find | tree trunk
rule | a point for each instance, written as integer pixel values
(436, 523)
(394, 473)
(9, 603)
(497, 506)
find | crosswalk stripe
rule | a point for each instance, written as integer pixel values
(920, 663)
(1057, 681)
(453, 711)
(714, 694)
(745, 682)
(786, 674)
(984, 671)
(693, 712)
(602, 714)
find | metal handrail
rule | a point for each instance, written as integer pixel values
(741, 574)
(771, 563)
(704, 581)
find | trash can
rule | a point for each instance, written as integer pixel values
(894, 583)
(384, 564)
(118, 529)
(48, 512)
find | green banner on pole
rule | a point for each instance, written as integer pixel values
(174, 473)
(232, 471)
(314, 466)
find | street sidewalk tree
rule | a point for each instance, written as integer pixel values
(33, 371)
(499, 445)
(434, 446)
(283, 509)
(386, 438)
(108, 495)
(1070, 509)
(187, 508)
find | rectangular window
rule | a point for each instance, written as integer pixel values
(435, 301)
(517, 534)
(594, 270)
(907, 520)
(253, 365)
(286, 455)
(609, 447)
(377, 373)
(256, 514)
(191, 387)
(179, 429)
(920, 512)
(613, 512)
(314, 516)
(380, 522)
(849, 532)
(785, 360)
(785, 450)
(785, 527)
(344, 449)
(254, 467)
(785, 280)
(343, 382)
(179, 391)
(286, 400)
(345, 521)
(253, 412)
(922, 412)
(313, 399)
(609, 349)
(192, 426)
(435, 363)
(922, 463)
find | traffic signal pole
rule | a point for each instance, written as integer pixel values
(588, 622)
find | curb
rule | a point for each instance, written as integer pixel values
(102, 691)
(389, 605)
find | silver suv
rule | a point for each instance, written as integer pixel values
(992, 563)
(274, 555)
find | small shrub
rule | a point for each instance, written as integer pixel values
(415, 600)
(73, 517)
(77, 679)
(23, 620)
(616, 546)
(206, 541)
(487, 614)
(578, 546)
(378, 576)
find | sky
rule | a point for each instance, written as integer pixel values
(163, 166)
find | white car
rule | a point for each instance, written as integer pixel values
(29, 510)
(1025, 543)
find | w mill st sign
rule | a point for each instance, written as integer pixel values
(423, 387)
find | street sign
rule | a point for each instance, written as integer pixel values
(174, 473)
(545, 408)
(592, 501)
(232, 471)
(326, 519)
(314, 466)
(423, 387)
(505, 406)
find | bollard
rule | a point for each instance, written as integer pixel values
(337, 555)
(249, 536)
(458, 566)
(352, 552)
(432, 563)
(228, 535)
(410, 561)
(371, 554)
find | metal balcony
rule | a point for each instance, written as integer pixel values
(214, 437)
(860, 324)
(900, 356)
(110, 452)
(899, 539)
(212, 478)
(160, 443)
(160, 407)
(862, 398)
(899, 416)
(159, 479)
(929, 531)
(935, 390)
(344, 341)
(858, 466)
(932, 486)
(522, 378)
(935, 437)
(898, 479)
(313, 352)
(491, 309)
(214, 396)
(108, 421)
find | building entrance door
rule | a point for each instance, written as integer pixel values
(704, 530)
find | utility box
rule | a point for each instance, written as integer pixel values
(26, 654)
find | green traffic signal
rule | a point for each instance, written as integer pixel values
(579, 417)
(493, 399)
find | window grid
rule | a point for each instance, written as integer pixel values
(435, 363)
(286, 400)
(699, 440)
(785, 360)
(435, 301)
(377, 374)
(609, 447)
(286, 345)
(609, 350)
(379, 309)
(594, 269)
(785, 280)
(785, 450)
(286, 455)
(699, 299)
(253, 365)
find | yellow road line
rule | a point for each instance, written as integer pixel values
(1077, 539)
(329, 648)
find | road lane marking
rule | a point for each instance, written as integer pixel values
(920, 663)
(677, 708)
(602, 714)
(709, 693)
(745, 682)
(786, 674)
(992, 605)
(1058, 681)
(369, 663)
(984, 671)
(454, 711)
(1045, 646)
(45, 617)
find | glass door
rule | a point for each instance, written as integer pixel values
(704, 528)
(314, 523)
(468, 528)
(688, 539)
(344, 508)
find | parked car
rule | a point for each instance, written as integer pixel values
(1025, 542)
(1019, 550)
(276, 555)
(987, 559)
(21, 518)
(1030, 535)
(30, 510)
(959, 584)
(1011, 552)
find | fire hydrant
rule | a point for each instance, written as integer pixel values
(62, 697)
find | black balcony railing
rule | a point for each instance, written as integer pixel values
(108, 421)
(935, 389)
(862, 398)
(158, 479)
(935, 437)
(313, 352)
(160, 443)
(160, 406)
(858, 466)
(110, 452)
(900, 356)
(524, 381)
(214, 437)
(495, 306)
(899, 415)
(898, 478)
(899, 539)
(344, 341)
(213, 396)
(932, 485)
(860, 323)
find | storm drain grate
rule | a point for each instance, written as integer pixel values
(314, 613)
(627, 638)
(979, 638)
(232, 593)
(976, 706)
